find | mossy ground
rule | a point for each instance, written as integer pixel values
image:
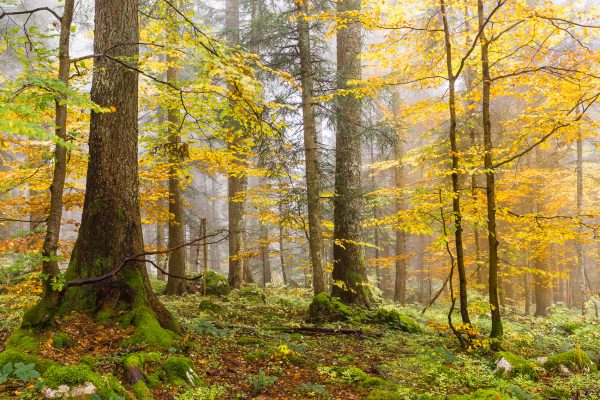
(232, 344)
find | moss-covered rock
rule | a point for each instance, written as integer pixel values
(216, 284)
(209, 306)
(325, 308)
(148, 331)
(179, 370)
(23, 340)
(77, 375)
(62, 340)
(15, 356)
(574, 361)
(395, 320)
(509, 365)
(251, 292)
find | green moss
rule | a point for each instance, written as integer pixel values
(210, 306)
(141, 391)
(40, 315)
(376, 382)
(482, 394)
(325, 308)
(88, 360)
(575, 360)
(149, 332)
(251, 292)
(394, 319)
(74, 375)
(15, 356)
(519, 366)
(179, 370)
(351, 374)
(382, 394)
(256, 355)
(23, 340)
(250, 341)
(137, 360)
(62, 340)
(216, 284)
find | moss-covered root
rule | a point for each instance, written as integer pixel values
(216, 284)
(23, 340)
(325, 308)
(571, 361)
(40, 316)
(510, 365)
(179, 370)
(134, 365)
(148, 331)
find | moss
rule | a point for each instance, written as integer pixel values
(250, 341)
(519, 366)
(252, 292)
(179, 370)
(210, 306)
(14, 356)
(256, 355)
(141, 391)
(376, 382)
(575, 360)
(73, 375)
(137, 360)
(88, 360)
(394, 319)
(382, 394)
(482, 394)
(325, 308)
(351, 374)
(23, 340)
(216, 284)
(40, 315)
(62, 340)
(149, 332)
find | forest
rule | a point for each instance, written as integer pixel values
(276, 199)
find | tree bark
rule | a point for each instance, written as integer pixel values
(497, 330)
(311, 157)
(349, 270)
(110, 229)
(175, 150)
(50, 246)
(456, 210)
(579, 276)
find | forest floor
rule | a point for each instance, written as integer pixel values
(248, 345)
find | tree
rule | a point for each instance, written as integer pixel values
(349, 268)
(110, 230)
(313, 180)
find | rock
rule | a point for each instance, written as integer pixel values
(65, 392)
(504, 365)
(573, 361)
(510, 365)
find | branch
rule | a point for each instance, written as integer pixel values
(29, 12)
(136, 258)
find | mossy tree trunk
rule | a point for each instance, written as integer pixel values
(110, 229)
(349, 268)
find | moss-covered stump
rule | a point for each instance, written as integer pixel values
(78, 381)
(179, 370)
(325, 308)
(216, 284)
(509, 365)
(394, 320)
(574, 361)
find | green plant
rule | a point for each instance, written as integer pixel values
(262, 381)
(21, 371)
(204, 327)
(311, 389)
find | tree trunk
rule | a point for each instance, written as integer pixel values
(579, 276)
(313, 180)
(456, 210)
(497, 331)
(265, 252)
(349, 270)
(542, 289)
(160, 244)
(175, 285)
(110, 228)
(284, 272)
(50, 246)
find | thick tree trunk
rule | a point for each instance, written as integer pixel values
(542, 287)
(110, 229)
(349, 270)
(175, 285)
(497, 330)
(313, 180)
(50, 246)
(456, 210)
